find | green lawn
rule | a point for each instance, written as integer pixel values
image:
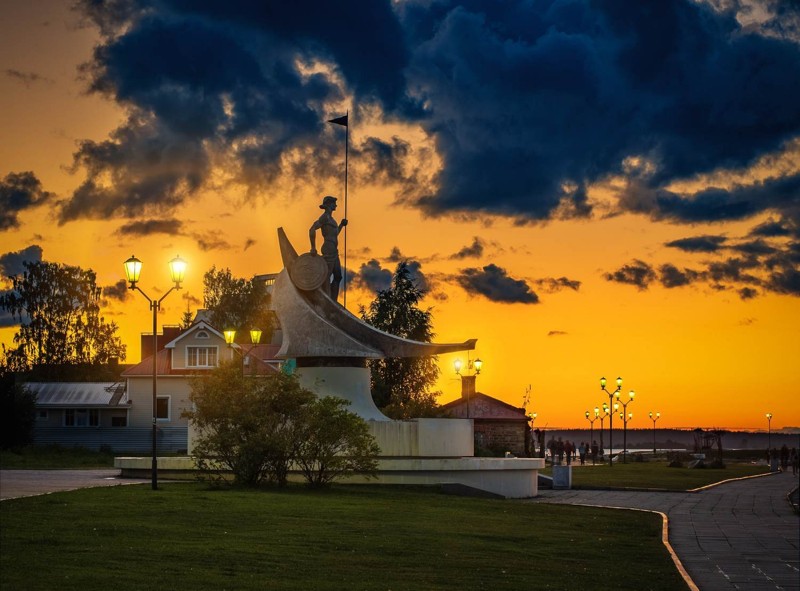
(656, 475)
(55, 457)
(186, 536)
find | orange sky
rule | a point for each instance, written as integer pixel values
(699, 356)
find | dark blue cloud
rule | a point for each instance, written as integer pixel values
(370, 276)
(11, 263)
(494, 283)
(474, 250)
(119, 291)
(636, 273)
(553, 284)
(527, 103)
(147, 227)
(19, 191)
(704, 243)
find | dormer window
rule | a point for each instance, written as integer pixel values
(201, 356)
(202, 334)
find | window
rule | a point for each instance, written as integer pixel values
(201, 334)
(162, 408)
(42, 415)
(81, 417)
(120, 420)
(201, 356)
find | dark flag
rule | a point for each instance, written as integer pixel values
(339, 120)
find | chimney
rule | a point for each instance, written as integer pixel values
(467, 386)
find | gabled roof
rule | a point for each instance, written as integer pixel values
(201, 325)
(500, 410)
(78, 394)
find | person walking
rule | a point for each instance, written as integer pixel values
(582, 453)
(595, 450)
(568, 449)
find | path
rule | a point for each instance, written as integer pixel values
(28, 483)
(739, 535)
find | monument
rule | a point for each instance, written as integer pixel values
(331, 347)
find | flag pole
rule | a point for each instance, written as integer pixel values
(346, 151)
(346, 123)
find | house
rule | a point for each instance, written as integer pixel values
(119, 415)
(498, 426)
(86, 414)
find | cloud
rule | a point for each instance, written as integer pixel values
(493, 283)
(526, 105)
(772, 228)
(26, 78)
(19, 191)
(636, 273)
(474, 250)
(147, 227)
(755, 247)
(11, 263)
(371, 276)
(671, 276)
(395, 256)
(248, 243)
(747, 293)
(211, 241)
(556, 333)
(553, 285)
(698, 243)
(119, 291)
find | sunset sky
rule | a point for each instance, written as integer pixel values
(588, 188)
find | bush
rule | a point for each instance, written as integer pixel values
(337, 443)
(18, 412)
(257, 428)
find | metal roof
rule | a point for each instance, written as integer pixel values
(78, 394)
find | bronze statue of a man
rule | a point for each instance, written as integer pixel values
(330, 246)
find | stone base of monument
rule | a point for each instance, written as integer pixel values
(512, 478)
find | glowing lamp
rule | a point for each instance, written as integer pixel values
(133, 269)
(255, 336)
(177, 271)
(230, 334)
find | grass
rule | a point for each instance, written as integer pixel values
(187, 536)
(55, 457)
(656, 475)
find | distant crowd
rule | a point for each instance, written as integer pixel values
(780, 459)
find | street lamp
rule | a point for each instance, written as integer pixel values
(605, 414)
(230, 339)
(769, 430)
(177, 271)
(591, 427)
(624, 405)
(625, 418)
(654, 419)
(610, 416)
(468, 380)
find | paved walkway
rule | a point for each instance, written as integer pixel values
(28, 483)
(739, 535)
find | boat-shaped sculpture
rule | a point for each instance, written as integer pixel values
(315, 326)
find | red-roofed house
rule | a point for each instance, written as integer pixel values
(193, 351)
(499, 427)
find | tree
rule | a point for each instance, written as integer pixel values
(17, 413)
(249, 426)
(59, 313)
(237, 303)
(337, 443)
(401, 387)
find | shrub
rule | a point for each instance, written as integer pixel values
(337, 443)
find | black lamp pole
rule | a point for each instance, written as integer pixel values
(610, 417)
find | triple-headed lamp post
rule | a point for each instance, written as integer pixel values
(610, 416)
(177, 270)
(624, 405)
(591, 426)
(654, 418)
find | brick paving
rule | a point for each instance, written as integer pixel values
(741, 534)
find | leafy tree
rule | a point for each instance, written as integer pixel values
(401, 387)
(337, 443)
(59, 313)
(249, 426)
(17, 413)
(237, 303)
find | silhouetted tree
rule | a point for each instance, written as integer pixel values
(17, 413)
(60, 323)
(401, 387)
(233, 302)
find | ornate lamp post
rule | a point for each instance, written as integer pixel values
(654, 419)
(230, 339)
(610, 416)
(625, 419)
(605, 414)
(769, 430)
(468, 380)
(177, 270)
(591, 426)
(624, 405)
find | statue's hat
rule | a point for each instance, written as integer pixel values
(326, 201)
